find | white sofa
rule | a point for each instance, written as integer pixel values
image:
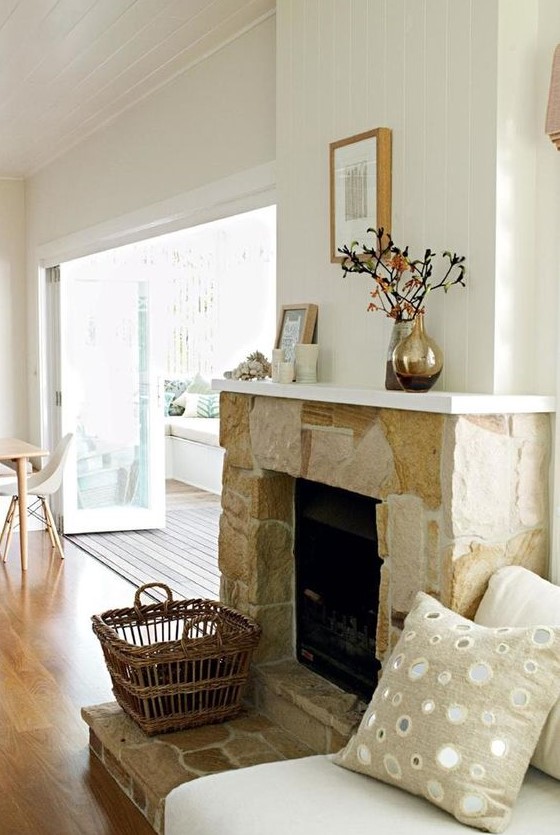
(193, 453)
(313, 796)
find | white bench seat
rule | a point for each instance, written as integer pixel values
(313, 796)
(192, 452)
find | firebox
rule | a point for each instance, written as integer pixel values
(337, 585)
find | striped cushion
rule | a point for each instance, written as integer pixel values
(208, 405)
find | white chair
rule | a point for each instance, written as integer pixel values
(41, 484)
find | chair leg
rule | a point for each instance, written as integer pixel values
(13, 508)
(54, 530)
(7, 519)
(47, 522)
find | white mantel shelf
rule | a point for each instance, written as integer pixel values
(442, 402)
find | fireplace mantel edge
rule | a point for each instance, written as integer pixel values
(442, 402)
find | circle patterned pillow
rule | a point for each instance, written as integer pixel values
(458, 711)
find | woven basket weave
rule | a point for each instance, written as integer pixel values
(177, 664)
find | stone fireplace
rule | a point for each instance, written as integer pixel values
(460, 495)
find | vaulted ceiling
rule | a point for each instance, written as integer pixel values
(68, 67)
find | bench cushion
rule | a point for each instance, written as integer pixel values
(201, 430)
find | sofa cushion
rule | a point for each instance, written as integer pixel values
(311, 796)
(518, 597)
(201, 430)
(458, 711)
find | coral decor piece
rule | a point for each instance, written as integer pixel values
(255, 367)
(401, 283)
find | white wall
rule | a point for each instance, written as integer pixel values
(211, 124)
(14, 363)
(458, 82)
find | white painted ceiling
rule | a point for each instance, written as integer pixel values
(67, 67)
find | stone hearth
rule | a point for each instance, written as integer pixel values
(148, 768)
(460, 496)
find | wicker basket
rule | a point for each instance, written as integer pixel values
(179, 663)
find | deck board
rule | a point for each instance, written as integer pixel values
(183, 556)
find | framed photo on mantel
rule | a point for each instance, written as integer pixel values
(360, 187)
(297, 324)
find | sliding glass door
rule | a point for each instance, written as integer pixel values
(109, 397)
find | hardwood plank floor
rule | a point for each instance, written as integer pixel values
(184, 555)
(50, 666)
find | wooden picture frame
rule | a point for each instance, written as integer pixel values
(296, 324)
(360, 187)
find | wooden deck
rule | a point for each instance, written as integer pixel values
(184, 555)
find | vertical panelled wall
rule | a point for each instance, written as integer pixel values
(13, 412)
(428, 69)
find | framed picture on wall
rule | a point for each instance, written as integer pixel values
(297, 324)
(360, 187)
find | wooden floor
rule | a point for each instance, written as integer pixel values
(50, 666)
(184, 555)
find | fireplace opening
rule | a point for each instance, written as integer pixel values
(337, 568)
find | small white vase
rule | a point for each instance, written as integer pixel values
(306, 363)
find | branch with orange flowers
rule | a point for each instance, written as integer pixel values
(401, 284)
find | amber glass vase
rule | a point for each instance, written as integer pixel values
(417, 359)
(399, 331)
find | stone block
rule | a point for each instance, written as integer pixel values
(531, 426)
(272, 497)
(233, 558)
(239, 480)
(116, 770)
(432, 558)
(406, 550)
(530, 498)
(234, 593)
(362, 464)
(336, 741)
(310, 732)
(415, 439)
(479, 474)
(157, 766)
(277, 639)
(249, 750)
(204, 736)
(285, 744)
(383, 613)
(470, 573)
(275, 426)
(498, 424)
(271, 563)
(529, 549)
(382, 518)
(359, 419)
(206, 761)
(316, 414)
(235, 435)
(236, 507)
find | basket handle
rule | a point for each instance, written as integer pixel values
(192, 620)
(140, 589)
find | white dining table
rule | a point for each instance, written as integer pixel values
(19, 452)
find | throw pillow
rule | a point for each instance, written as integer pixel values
(519, 597)
(172, 389)
(208, 405)
(186, 405)
(199, 385)
(458, 711)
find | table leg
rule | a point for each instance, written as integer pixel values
(22, 501)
